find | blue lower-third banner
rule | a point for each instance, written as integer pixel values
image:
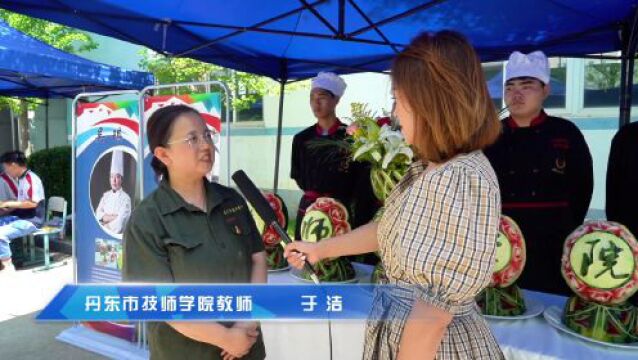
(209, 302)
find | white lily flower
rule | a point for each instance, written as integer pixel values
(363, 150)
(393, 152)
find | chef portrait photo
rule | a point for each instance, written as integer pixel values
(112, 183)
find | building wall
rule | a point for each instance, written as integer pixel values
(58, 125)
(7, 141)
(115, 52)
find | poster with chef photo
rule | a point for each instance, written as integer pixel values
(105, 183)
(106, 186)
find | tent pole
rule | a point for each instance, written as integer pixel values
(342, 19)
(13, 130)
(279, 129)
(46, 123)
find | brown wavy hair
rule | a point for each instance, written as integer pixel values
(441, 78)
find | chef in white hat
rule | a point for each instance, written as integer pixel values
(114, 209)
(544, 170)
(325, 171)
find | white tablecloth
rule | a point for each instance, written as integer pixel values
(310, 340)
(536, 339)
(521, 339)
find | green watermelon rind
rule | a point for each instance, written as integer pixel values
(378, 274)
(337, 270)
(275, 258)
(491, 301)
(602, 314)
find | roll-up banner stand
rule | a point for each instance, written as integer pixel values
(105, 182)
(111, 173)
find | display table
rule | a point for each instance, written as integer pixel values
(536, 339)
(521, 339)
(309, 340)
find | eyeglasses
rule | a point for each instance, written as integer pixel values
(194, 140)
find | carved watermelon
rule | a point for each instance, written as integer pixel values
(269, 236)
(378, 275)
(600, 262)
(384, 181)
(275, 258)
(503, 297)
(326, 218)
(501, 301)
(510, 254)
(609, 323)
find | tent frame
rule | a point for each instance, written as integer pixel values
(628, 35)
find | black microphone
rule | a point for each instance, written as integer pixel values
(261, 206)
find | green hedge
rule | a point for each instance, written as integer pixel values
(54, 168)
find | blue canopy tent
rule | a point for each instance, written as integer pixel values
(289, 40)
(31, 68)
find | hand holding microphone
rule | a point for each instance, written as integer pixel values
(298, 252)
(261, 206)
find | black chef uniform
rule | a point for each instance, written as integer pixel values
(546, 179)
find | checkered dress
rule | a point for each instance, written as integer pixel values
(437, 242)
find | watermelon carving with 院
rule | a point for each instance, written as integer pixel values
(600, 261)
(503, 297)
(270, 238)
(600, 264)
(326, 218)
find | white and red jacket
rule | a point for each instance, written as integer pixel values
(27, 187)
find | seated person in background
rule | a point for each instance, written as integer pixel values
(114, 208)
(24, 198)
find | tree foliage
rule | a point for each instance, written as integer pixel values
(246, 88)
(59, 36)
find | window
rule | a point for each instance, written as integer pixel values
(255, 112)
(558, 83)
(494, 76)
(602, 82)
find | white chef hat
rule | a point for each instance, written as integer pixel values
(331, 82)
(117, 163)
(534, 65)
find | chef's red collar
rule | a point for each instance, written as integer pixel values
(535, 121)
(333, 129)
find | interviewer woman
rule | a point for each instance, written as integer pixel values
(438, 233)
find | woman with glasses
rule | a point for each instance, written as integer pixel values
(191, 230)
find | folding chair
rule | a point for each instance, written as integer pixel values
(54, 224)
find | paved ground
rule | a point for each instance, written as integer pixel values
(22, 295)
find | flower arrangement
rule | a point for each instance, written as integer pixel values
(374, 140)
